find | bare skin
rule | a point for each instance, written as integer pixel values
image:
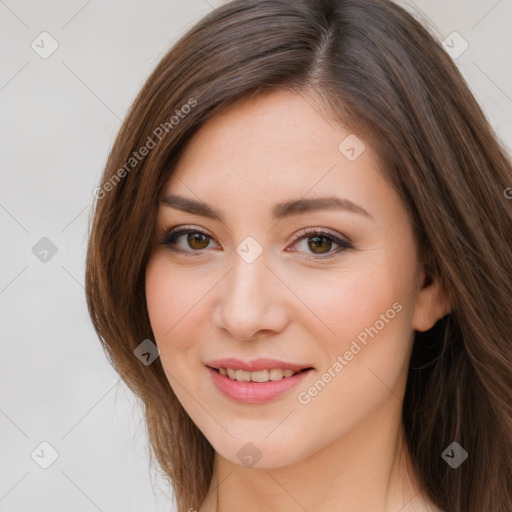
(339, 449)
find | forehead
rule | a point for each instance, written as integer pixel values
(275, 146)
(271, 128)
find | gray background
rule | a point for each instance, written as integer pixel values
(59, 117)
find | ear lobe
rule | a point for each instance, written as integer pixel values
(432, 302)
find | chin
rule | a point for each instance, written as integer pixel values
(263, 453)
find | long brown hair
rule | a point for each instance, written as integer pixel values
(380, 73)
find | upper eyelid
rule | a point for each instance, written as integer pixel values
(300, 234)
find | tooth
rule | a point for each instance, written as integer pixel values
(242, 375)
(276, 374)
(260, 376)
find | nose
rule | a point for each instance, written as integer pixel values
(251, 301)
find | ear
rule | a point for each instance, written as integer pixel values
(432, 302)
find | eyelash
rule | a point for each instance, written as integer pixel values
(174, 233)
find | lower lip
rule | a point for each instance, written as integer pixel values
(255, 392)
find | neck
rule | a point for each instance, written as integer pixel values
(367, 469)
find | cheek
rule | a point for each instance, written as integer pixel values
(174, 300)
(347, 302)
(161, 299)
(372, 324)
(366, 316)
(370, 311)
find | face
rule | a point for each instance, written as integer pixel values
(332, 290)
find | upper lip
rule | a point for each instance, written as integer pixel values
(256, 364)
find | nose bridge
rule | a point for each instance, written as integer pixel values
(246, 282)
(248, 301)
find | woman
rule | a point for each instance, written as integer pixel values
(305, 211)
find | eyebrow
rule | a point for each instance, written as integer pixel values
(279, 211)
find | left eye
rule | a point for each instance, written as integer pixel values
(318, 242)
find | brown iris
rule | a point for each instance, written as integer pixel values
(199, 238)
(314, 244)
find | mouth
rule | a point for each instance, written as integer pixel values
(257, 381)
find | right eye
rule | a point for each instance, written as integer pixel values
(195, 241)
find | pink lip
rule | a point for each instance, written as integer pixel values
(254, 392)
